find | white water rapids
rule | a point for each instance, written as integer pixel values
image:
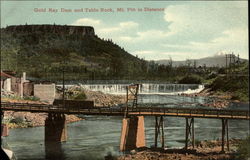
(158, 89)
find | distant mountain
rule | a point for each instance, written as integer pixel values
(216, 60)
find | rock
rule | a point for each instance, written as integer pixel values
(211, 150)
(133, 152)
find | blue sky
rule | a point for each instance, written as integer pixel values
(184, 30)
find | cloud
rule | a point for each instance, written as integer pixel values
(233, 40)
(86, 22)
(121, 27)
(204, 27)
(143, 52)
(204, 21)
(116, 31)
(129, 24)
(152, 35)
(125, 38)
(108, 30)
(190, 30)
(233, 35)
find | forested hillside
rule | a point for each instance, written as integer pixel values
(44, 51)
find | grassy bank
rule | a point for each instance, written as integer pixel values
(236, 86)
(233, 84)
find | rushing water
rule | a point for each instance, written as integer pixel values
(146, 88)
(97, 136)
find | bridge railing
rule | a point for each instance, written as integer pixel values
(25, 106)
(192, 111)
(53, 108)
(219, 113)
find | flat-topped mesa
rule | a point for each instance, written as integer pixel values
(60, 29)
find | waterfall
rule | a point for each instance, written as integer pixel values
(147, 88)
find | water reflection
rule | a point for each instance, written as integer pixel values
(53, 151)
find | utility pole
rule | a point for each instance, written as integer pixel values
(230, 56)
(238, 59)
(63, 78)
(63, 90)
(226, 66)
(233, 56)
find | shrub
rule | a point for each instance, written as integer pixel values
(211, 76)
(217, 84)
(17, 120)
(238, 86)
(241, 95)
(31, 98)
(191, 79)
(222, 71)
(79, 96)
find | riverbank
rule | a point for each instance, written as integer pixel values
(205, 150)
(236, 86)
(27, 119)
(219, 100)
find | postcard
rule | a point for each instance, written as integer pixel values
(121, 80)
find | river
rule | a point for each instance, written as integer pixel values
(97, 136)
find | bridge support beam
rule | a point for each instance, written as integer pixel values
(55, 128)
(159, 130)
(133, 133)
(223, 133)
(189, 132)
(53, 150)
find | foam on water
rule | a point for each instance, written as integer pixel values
(156, 89)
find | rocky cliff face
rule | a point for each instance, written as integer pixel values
(60, 29)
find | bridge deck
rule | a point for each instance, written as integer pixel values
(140, 111)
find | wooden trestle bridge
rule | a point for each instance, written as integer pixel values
(132, 134)
(158, 112)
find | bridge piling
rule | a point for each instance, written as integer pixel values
(193, 143)
(55, 128)
(159, 130)
(227, 136)
(133, 133)
(189, 132)
(156, 131)
(162, 135)
(224, 132)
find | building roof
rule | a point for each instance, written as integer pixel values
(5, 75)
